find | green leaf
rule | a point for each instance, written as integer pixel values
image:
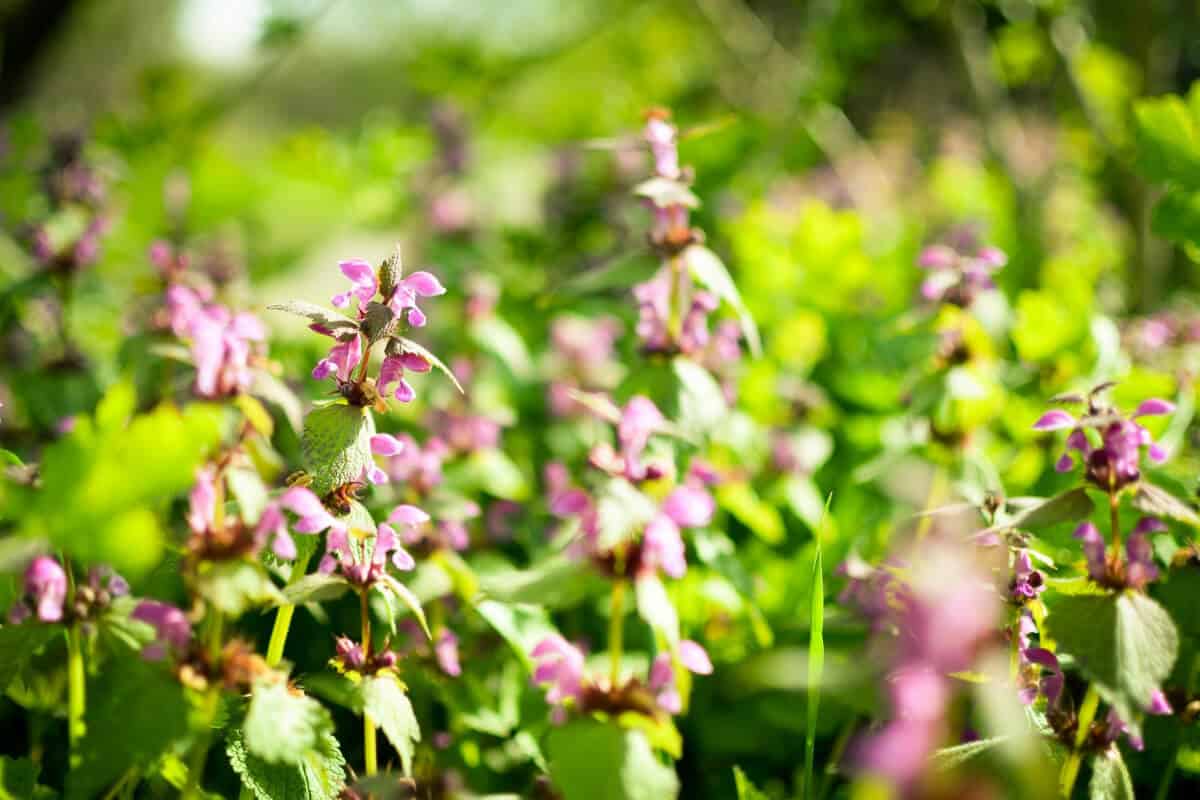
(379, 321)
(522, 625)
(136, 712)
(248, 489)
(1110, 778)
(745, 789)
(1070, 506)
(319, 776)
(18, 644)
(277, 393)
(490, 471)
(317, 315)
(1168, 142)
(282, 727)
(655, 607)
(409, 346)
(816, 665)
(18, 778)
(701, 402)
(555, 582)
(622, 512)
(707, 268)
(315, 588)
(336, 445)
(256, 414)
(948, 758)
(740, 500)
(389, 707)
(1125, 643)
(405, 595)
(91, 506)
(233, 587)
(1161, 503)
(10, 458)
(497, 337)
(592, 760)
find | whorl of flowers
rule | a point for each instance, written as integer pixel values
(959, 271)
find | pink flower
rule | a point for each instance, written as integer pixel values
(418, 284)
(662, 547)
(560, 664)
(639, 419)
(392, 371)
(272, 525)
(307, 506)
(342, 359)
(44, 592)
(446, 651)
(383, 444)
(1093, 549)
(660, 135)
(363, 280)
(689, 507)
(202, 500)
(173, 632)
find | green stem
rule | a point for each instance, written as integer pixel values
(1087, 713)
(616, 630)
(370, 760)
(283, 618)
(76, 690)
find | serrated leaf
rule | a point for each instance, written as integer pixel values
(315, 588)
(336, 445)
(707, 268)
(233, 587)
(592, 760)
(1070, 506)
(655, 607)
(409, 346)
(316, 314)
(1161, 503)
(1110, 778)
(1125, 643)
(390, 708)
(282, 727)
(321, 776)
(379, 321)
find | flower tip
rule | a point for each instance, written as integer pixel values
(1054, 420)
(1154, 407)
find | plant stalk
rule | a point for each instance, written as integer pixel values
(370, 758)
(283, 618)
(1087, 713)
(76, 691)
(616, 630)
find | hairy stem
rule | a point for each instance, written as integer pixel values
(283, 618)
(1114, 513)
(616, 629)
(1087, 713)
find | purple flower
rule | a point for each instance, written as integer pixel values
(446, 652)
(173, 632)
(1140, 568)
(392, 371)
(383, 444)
(202, 500)
(1053, 420)
(639, 419)
(343, 357)
(44, 591)
(1159, 705)
(1028, 583)
(1116, 462)
(958, 276)
(364, 283)
(418, 284)
(689, 507)
(559, 664)
(661, 136)
(662, 547)
(420, 468)
(349, 654)
(307, 506)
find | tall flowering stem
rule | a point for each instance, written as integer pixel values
(76, 690)
(283, 619)
(616, 630)
(370, 759)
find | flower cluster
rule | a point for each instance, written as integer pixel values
(958, 273)
(561, 669)
(944, 615)
(376, 319)
(1136, 570)
(1112, 454)
(582, 360)
(225, 344)
(71, 182)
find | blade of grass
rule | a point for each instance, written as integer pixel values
(816, 659)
